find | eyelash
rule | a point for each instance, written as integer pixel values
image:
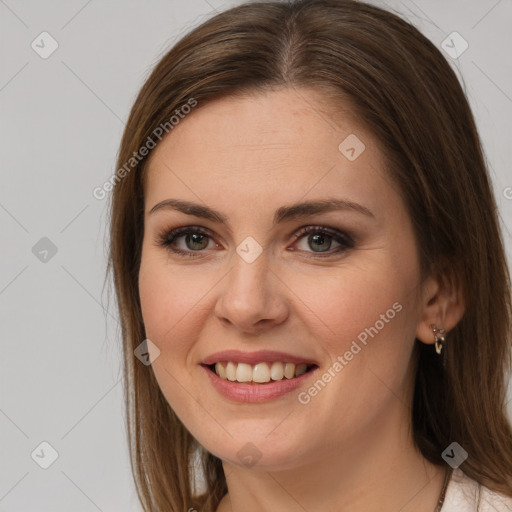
(167, 238)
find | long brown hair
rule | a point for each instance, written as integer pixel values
(408, 96)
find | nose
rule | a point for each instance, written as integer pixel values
(252, 298)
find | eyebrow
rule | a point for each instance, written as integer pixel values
(282, 214)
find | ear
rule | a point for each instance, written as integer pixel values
(442, 305)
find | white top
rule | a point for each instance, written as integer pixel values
(463, 492)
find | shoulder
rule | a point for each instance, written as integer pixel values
(464, 494)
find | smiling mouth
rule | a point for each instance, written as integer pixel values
(261, 373)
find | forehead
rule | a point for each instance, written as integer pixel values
(296, 141)
(268, 121)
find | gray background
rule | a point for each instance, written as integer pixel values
(61, 121)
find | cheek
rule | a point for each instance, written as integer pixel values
(346, 303)
(369, 353)
(364, 314)
(171, 300)
(173, 313)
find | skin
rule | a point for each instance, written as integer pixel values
(350, 447)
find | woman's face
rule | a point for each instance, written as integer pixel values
(343, 299)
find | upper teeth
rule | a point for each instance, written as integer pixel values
(261, 372)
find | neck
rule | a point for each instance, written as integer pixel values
(379, 469)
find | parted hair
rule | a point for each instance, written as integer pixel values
(407, 95)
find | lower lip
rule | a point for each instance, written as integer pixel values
(254, 393)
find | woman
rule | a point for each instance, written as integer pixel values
(311, 279)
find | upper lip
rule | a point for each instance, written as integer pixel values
(259, 356)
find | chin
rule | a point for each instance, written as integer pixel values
(258, 451)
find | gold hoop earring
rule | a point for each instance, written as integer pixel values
(439, 338)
